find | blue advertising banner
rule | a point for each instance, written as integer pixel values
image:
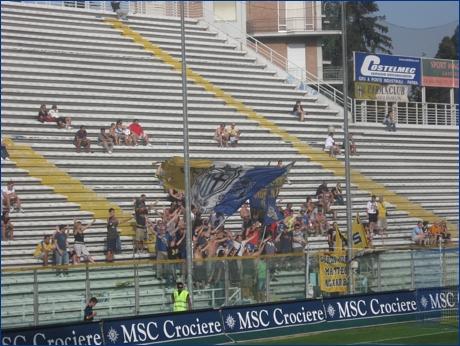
(387, 69)
(355, 307)
(75, 334)
(433, 299)
(244, 319)
(158, 329)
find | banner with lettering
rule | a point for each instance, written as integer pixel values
(379, 305)
(382, 92)
(333, 271)
(252, 318)
(162, 328)
(440, 73)
(85, 333)
(387, 69)
(435, 299)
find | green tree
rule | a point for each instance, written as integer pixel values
(364, 34)
(447, 49)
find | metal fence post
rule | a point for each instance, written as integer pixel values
(136, 288)
(307, 269)
(379, 273)
(35, 298)
(412, 270)
(267, 282)
(87, 285)
(227, 282)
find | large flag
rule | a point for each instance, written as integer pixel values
(173, 172)
(263, 203)
(358, 236)
(224, 187)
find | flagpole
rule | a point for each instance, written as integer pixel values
(188, 223)
(347, 146)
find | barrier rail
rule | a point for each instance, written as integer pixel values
(131, 288)
(412, 113)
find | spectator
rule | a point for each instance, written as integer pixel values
(44, 250)
(123, 132)
(445, 235)
(298, 111)
(233, 270)
(218, 216)
(382, 216)
(81, 140)
(64, 122)
(418, 236)
(372, 212)
(233, 134)
(121, 14)
(112, 233)
(7, 226)
(244, 211)
(199, 270)
(173, 254)
(61, 244)
(331, 146)
(390, 121)
(298, 244)
(138, 132)
(141, 211)
(351, 145)
(176, 196)
(337, 193)
(10, 198)
(331, 237)
(220, 135)
(79, 243)
(288, 210)
(45, 116)
(323, 191)
(261, 278)
(113, 135)
(105, 141)
(217, 278)
(434, 233)
(369, 235)
(280, 165)
(89, 314)
(5, 155)
(320, 222)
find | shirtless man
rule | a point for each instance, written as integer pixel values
(220, 134)
(320, 221)
(213, 244)
(245, 212)
(199, 266)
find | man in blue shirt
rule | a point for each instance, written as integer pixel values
(81, 140)
(89, 314)
(418, 236)
(61, 244)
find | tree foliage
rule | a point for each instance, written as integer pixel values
(364, 34)
(447, 49)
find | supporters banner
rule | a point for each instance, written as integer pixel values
(379, 305)
(86, 333)
(173, 173)
(333, 271)
(224, 187)
(358, 236)
(381, 92)
(387, 69)
(440, 73)
(253, 318)
(263, 203)
(160, 329)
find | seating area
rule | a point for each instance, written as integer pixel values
(76, 60)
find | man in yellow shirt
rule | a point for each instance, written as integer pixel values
(233, 134)
(44, 250)
(382, 217)
(181, 299)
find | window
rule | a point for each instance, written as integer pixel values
(225, 10)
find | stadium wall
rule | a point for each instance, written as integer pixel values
(230, 324)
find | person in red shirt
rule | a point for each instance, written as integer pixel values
(138, 132)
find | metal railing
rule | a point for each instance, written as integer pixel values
(131, 288)
(411, 113)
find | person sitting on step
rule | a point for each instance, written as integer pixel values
(331, 146)
(298, 111)
(220, 134)
(138, 132)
